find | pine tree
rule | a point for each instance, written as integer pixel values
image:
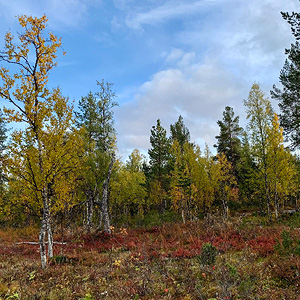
(289, 95)
(294, 20)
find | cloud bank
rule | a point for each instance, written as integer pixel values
(234, 43)
(197, 91)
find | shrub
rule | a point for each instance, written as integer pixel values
(286, 270)
(292, 221)
(208, 254)
(155, 218)
(288, 245)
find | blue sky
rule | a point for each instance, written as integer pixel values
(165, 57)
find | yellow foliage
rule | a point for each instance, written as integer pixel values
(192, 180)
(43, 158)
(280, 170)
(127, 189)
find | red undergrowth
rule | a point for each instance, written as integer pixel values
(169, 241)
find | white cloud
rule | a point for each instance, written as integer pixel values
(249, 37)
(197, 91)
(179, 57)
(234, 45)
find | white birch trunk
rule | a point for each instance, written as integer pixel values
(104, 203)
(50, 238)
(42, 243)
(45, 228)
(89, 211)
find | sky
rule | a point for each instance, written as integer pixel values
(165, 57)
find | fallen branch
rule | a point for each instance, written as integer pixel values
(37, 243)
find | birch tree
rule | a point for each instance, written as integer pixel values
(127, 188)
(226, 183)
(95, 116)
(260, 113)
(42, 154)
(280, 167)
(181, 187)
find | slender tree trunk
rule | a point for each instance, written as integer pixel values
(42, 242)
(45, 228)
(267, 190)
(62, 233)
(182, 209)
(90, 200)
(89, 213)
(267, 196)
(89, 210)
(225, 208)
(183, 216)
(224, 203)
(50, 237)
(46, 223)
(276, 204)
(101, 216)
(104, 202)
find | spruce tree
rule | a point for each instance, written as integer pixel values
(180, 132)
(159, 153)
(229, 141)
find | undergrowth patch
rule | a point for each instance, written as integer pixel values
(209, 259)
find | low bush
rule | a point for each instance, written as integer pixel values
(208, 254)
